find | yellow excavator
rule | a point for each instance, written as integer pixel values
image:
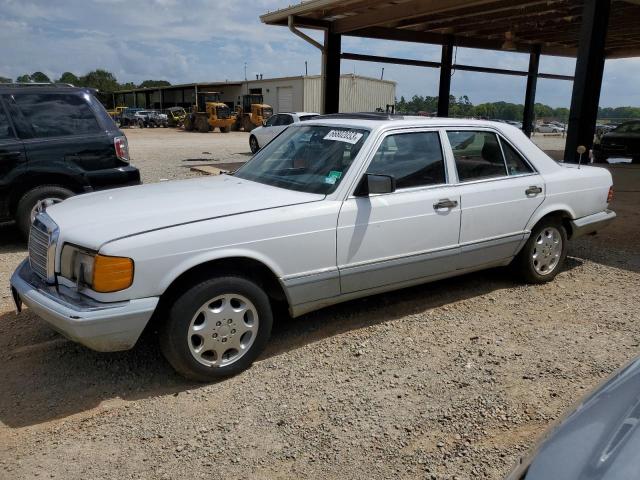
(209, 113)
(253, 112)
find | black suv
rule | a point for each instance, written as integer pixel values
(56, 141)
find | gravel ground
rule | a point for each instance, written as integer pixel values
(453, 379)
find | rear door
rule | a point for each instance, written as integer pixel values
(499, 192)
(12, 160)
(61, 131)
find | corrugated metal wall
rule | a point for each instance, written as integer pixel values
(357, 94)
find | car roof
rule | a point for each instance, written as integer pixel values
(370, 121)
(42, 88)
(300, 114)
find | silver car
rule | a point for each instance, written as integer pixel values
(599, 440)
(273, 126)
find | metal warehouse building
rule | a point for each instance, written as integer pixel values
(287, 94)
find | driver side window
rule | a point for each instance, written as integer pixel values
(413, 159)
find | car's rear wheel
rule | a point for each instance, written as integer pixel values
(544, 254)
(216, 328)
(36, 201)
(253, 144)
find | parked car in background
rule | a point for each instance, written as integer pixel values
(260, 136)
(128, 117)
(175, 116)
(548, 128)
(333, 209)
(599, 439)
(150, 119)
(56, 142)
(623, 141)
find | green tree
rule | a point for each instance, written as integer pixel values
(39, 77)
(154, 83)
(68, 77)
(26, 78)
(5, 80)
(101, 80)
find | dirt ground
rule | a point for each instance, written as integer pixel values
(454, 379)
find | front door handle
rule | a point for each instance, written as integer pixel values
(533, 190)
(445, 203)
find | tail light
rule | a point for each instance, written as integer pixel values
(610, 195)
(122, 148)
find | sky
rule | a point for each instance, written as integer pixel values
(202, 40)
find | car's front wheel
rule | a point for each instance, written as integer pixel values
(543, 256)
(253, 144)
(216, 328)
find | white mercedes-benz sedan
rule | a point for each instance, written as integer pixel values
(334, 208)
(273, 126)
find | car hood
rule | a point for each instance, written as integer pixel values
(600, 440)
(93, 219)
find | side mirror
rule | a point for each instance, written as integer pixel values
(372, 183)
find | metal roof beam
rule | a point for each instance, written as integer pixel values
(395, 13)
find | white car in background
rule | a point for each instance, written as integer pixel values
(274, 125)
(548, 128)
(333, 209)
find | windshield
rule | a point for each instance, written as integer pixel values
(310, 158)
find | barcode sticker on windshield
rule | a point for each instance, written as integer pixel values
(348, 136)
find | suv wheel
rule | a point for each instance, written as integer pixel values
(216, 328)
(543, 255)
(35, 201)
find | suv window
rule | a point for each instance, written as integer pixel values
(515, 163)
(477, 154)
(5, 127)
(304, 118)
(56, 115)
(283, 120)
(413, 159)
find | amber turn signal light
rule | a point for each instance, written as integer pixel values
(111, 274)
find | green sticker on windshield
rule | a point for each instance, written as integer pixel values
(333, 177)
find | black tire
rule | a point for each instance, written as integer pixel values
(31, 198)
(174, 332)
(224, 129)
(599, 158)
(524, 264)
(253, 144)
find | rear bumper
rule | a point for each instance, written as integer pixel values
(591, 223)
(113, 177)
(105, 327)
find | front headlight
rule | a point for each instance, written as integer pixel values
(101, 273)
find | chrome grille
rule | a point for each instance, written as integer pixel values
(42, 238)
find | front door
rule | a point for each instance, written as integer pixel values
(410, 234)
(499, 192)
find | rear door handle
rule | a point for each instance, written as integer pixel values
(445, 203)
(533, 190)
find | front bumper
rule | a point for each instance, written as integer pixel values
(105, 327)
(591, 223)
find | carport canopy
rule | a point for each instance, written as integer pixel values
(589, 30)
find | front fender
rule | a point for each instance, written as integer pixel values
(209, 256)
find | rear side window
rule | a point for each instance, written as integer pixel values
(5, 128)
(413, 159)
(304, 118)
(477, 154)
(57, 115)
(515, 163)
